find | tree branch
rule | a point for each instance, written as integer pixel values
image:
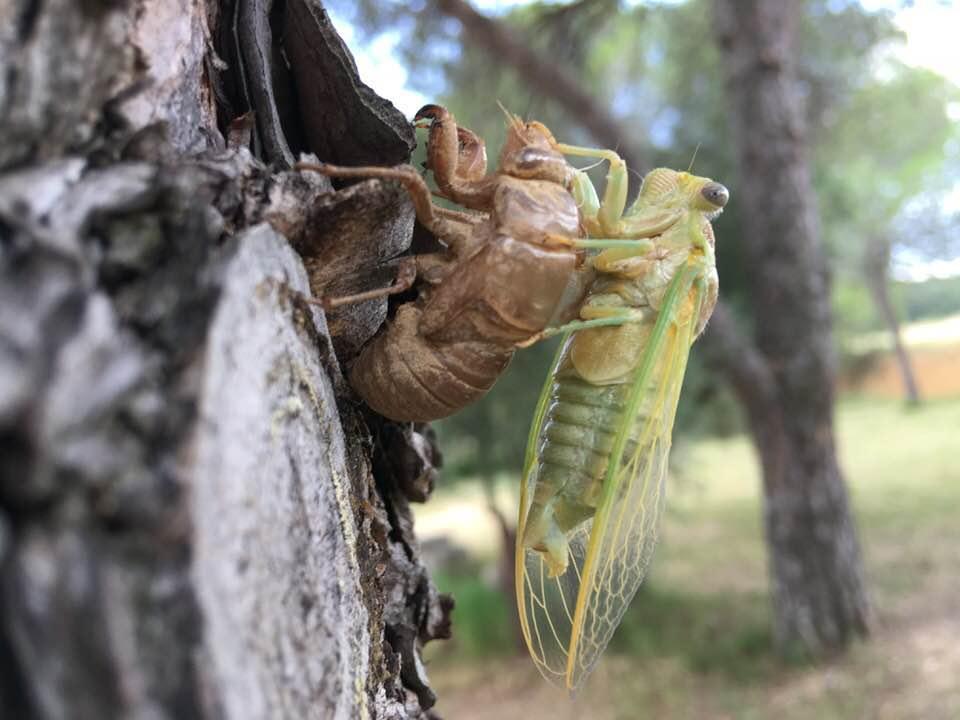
(552, 80)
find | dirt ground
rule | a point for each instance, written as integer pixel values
(937, 368)
(908, 670)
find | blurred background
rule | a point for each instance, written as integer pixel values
(839, 250)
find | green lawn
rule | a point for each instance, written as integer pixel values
(696, 641)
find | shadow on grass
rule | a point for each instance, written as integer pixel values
(726, 634)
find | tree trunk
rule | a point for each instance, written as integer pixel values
(818, 591)
(196, 519)
(877, 269)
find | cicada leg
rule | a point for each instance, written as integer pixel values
(630, 247)
(451, 231)
(610, 210)
(606, 317)
(406, 274)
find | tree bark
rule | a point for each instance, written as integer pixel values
(197, 520)
(877, 271)
(818, 592)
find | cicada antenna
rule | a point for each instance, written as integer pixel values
(529, 111)
(511, 118)
(695, 151)
(591, 166)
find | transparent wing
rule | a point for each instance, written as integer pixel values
(568, 621)
(545, 604)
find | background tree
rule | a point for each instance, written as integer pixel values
(818, 593)
(871, 198)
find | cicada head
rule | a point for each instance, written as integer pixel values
(680, 190)
(528, 152)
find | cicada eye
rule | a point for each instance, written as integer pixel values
(531, 161)
(715, 194)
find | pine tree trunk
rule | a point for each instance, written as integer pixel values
(196, 518)
(819, 597)
(876, 268)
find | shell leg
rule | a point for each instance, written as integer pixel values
(406, 274)
(441, 225)
(458, 158)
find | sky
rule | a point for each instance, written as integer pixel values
(931, 28)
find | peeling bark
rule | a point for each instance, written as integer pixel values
(197, 518)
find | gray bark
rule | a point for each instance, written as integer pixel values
(196, 517)
(819, 597)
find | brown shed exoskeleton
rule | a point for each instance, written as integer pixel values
(505, 273)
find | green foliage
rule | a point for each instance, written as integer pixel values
(721, 632)
(482, 618)
(854, 308)
(856, 313)
(885, 145)
(937, 297)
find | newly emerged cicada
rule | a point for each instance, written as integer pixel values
(596, 460)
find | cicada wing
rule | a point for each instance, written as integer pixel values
(545, 604)
(568, 620)
(625, 526)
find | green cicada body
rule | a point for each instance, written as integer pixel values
(596, 462)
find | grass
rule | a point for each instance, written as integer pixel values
(696, 640)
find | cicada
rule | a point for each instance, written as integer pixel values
(596, 460)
